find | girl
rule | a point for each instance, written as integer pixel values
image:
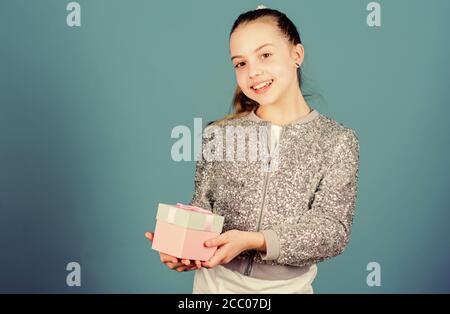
(279, 222)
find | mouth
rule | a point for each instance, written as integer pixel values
(262, 87)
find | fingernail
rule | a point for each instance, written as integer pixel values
(207, 243)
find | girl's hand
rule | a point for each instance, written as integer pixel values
(173, 262)
(231, 243)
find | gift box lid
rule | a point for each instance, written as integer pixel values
(192, 219)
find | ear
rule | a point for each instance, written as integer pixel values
(298, 54)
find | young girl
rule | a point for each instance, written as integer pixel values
(279, 222)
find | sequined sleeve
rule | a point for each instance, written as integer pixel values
(202, 196)
(324, 230)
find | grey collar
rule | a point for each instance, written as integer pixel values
(310, 116)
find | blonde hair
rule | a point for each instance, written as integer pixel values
(242, 106)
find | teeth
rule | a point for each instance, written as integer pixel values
(263, 84)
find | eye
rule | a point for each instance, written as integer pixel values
(266, 55)
(240, 64)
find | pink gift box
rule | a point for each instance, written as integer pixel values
(181, 231)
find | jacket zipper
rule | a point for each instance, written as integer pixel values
(250, 264)
(253, 255)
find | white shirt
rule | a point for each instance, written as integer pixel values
(275, 131)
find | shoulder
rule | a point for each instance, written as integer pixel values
(338, 141)
(334, 132)
(223, 123)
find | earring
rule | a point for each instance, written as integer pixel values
(297, 65)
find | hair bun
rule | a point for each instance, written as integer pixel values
(261, 6)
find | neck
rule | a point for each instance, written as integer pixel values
(286, 110)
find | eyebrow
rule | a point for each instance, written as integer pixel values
(259, 48)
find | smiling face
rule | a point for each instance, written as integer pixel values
(264, 62)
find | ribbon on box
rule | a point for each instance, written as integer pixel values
(208, 219)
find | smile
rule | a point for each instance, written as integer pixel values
(262, 87)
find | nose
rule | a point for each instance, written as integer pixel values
(254, 71)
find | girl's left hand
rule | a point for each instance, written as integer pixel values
(230, 244)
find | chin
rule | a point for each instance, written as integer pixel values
(266, 101)
(263, 103)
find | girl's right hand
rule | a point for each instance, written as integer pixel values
(173, 262)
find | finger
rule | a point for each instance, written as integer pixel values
(149, 235)
(189, 268)
(216, 259)
(198, 264)
(168, 258)
(219, 240)
(186, 262)
(173, 265)
(181, 268)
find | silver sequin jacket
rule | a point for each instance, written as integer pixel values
(304, 208)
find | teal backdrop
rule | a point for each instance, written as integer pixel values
(86, 115)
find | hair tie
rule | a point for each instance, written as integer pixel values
(261, 6)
